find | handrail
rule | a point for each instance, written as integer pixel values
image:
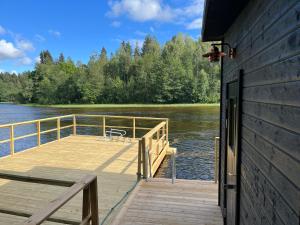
(75, 124)
(89, 203)
(33, 121)
(121, 117)
(152, 154)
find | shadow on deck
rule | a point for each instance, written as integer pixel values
(114, 165)
(69, 159)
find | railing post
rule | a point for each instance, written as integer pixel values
(157, 141)
(12, 140)
(58, 128)
(103, 126)
(94, 202)
(139, 169)
(86, 202)
(167, 130)
(163, 134)
(145, 161)
(133, 127)
(173, 166)
(38, 127)
(74, 125)
(216, 159)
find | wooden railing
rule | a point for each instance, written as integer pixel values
(102, 126)
(217, 140)
(153, 148)
(89, 203)
(103, 122)
(38, 132)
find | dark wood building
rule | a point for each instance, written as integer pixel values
(259, 179)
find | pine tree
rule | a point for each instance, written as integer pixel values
(61, 58)
(46, 57)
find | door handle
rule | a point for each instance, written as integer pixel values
(230, 186)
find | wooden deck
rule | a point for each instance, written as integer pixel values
(70, 158)
(29, 179)
(159, 202)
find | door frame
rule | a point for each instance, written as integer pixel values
(239, 81)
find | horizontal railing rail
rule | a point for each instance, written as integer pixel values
(74, 118)
(12, 126)
(89, 203)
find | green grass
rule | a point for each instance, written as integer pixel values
(122, 105)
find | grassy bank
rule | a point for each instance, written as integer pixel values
(122, 105)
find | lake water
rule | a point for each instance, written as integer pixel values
(192, 131)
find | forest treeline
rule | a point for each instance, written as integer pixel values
(173, 73)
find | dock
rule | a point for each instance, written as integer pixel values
(158, 201)
(113, 162)
(107, 179)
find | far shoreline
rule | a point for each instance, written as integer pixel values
(124, 105)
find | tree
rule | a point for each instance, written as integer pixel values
(61, 58)
(46, 57)
(172, 73)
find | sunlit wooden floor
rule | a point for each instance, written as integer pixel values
(159, 202)
(114, 163)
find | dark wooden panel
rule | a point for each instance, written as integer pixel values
(283, 93)
(277, 21)
(266, 194)
(267, 35)
(287, 117)
(248, 212)
(283, 162)
(265, 210)
(280, 49)
(246, 21)
(283, 139)
(275, 73)
(288, 190)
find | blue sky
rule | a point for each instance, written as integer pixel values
(79, 28)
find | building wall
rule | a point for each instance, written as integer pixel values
(267, 37)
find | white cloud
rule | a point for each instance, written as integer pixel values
(9, 51)
(195, 24)
(140, 33)
(194, 9)
(2, 30)
(138, 42)
(37, 59)
(24, 45)
(141, 10)
(25, 61)
(39, 38)
(116, 24)
(156, 10)
(152, 29)
(54, 33)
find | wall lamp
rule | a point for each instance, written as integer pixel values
(214, 55)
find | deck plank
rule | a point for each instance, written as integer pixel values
(159, 202)
(71, 158)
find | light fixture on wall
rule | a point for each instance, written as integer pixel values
(214, 55)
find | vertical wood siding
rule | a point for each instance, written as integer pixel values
(267, 37)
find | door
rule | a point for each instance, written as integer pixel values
(232, 152)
